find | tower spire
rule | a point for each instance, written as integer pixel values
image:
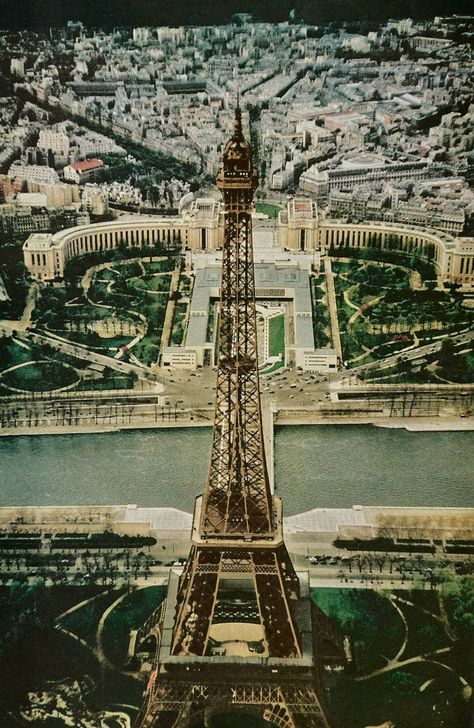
(238, 119)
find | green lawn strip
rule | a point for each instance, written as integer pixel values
(12, 353)
(391, 347)
(267, 209)
(390, 376)
(94, 341)
(185, 284)
(177, 331)
(374, 625)
(160, 266)
(274, 367)
(106, 382)
(321, 319)
(40, 377)
(276, 336)
(84, 621)
(129, 614)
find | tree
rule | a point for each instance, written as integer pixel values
(447, 350)
(458, 595)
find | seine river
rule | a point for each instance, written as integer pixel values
(316, 466)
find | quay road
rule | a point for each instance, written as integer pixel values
(94, 410)
(187, 399)
(370, 571)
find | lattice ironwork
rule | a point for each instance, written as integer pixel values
(237, 501)
(184, 704)
(276, 590)
(237, 529)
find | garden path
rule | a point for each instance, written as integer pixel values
(405, 625)
(79, 605)
(331, 296)
(396, 664)
(100, 632)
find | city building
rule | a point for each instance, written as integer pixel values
(366, 169)
(39, 174)
(200, 227)
(80, 172)
(281, 282)
(55, 140)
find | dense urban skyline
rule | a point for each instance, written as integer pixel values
(151, 12)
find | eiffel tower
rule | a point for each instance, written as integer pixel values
(238, 631)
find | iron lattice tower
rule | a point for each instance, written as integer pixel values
(237, 530)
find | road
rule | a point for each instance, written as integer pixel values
(80, 352)
(418, 353)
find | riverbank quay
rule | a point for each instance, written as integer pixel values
(415, 407)
(305, 533)
(412, 424)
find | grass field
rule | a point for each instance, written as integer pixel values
(84, 621)
(177, 331)
(40, 377)
(276, 336)
(160, 266)
(153, 282)
(425, 693)
(12, 353)
(130, 614)
(267, 209)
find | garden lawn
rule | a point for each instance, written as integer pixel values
(460, 369)
(153, 282)
(425, 634)
(12, 353)
(369, 617)
(395, 696)
(160, 266)
(276, 336)
(84, 621)
(40, 377)
(179, 317)
(267, 209)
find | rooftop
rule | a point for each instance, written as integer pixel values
(86, 165)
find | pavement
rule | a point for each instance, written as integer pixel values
(332, 306)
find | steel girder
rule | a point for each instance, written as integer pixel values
(182, 704)
(276, 589)
(237, 500)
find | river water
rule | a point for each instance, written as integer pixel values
(315, 466)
